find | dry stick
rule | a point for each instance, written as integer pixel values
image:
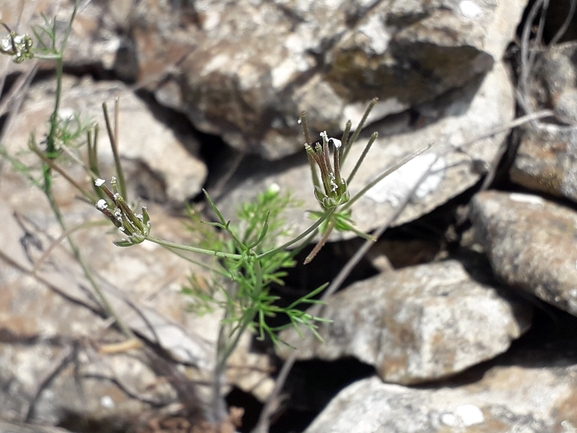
(528, 54)
(513, 124)
(133, 395)
(565, 24)
(526, 58)
(60, 365)
(270, 406)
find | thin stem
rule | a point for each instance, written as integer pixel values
(50, 165)
(321, 243)
(226, 344)
(345, 137)
(192, 249)
(114, 146)
(362, 157)
(304, 234)
(196, 262)
(63, 236)
(47, 167)
(359, 128)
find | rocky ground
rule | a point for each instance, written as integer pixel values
(461, 316)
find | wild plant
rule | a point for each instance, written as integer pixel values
(247, 260)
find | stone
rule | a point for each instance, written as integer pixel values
(50, 321)
(244, 70)
(530, 244)
(507, 398)
(545, 159)
(416, 324)
(8, 427)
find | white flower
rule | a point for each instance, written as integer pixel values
(6, 43)
(101, 204)
(331, 140)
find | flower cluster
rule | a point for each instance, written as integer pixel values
(135, 226)
(18, 46)
(331, 190)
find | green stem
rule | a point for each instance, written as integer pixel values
(50, 154)
(304, 234)
(196, 262)
(114, 146)
(191, 249)
(362, 158)
(321, 243)
(352, 140)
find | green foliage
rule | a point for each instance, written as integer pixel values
(241, 286)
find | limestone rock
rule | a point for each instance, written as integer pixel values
(53, 318)
(530, 243)
(8, 427)
(545, 160)
(527, 397)
(417, 324)
(245, 70)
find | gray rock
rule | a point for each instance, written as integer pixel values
(49, 326)
(545, 159)
(547, 152)
(530, 243)
(449, 123)
(525, 398)
(245, 70)
(8, 427)
(416, 324)
(554, 72)
(50, 317)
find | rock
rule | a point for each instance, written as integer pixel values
(52, 319)
(545, 159)
(388, 254)
(50, 323)
(530, 243)
(8, 427)
(165, 163)
(416, 324)
(528, 397)
(244, 70)
(456, 120)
